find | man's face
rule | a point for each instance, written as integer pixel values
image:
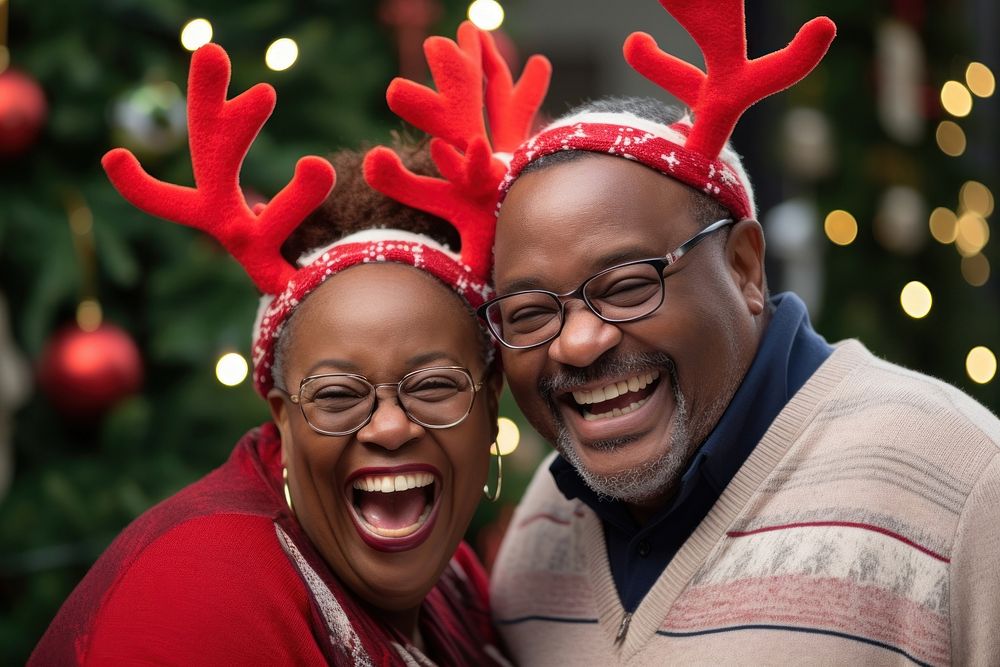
(676, 370)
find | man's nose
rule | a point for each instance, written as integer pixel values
(584, 337)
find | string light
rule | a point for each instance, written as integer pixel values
(486, 14)
(976, 197)
(916, 299)
(976, 270)
(841, 227)
(980, 80)
(196, 34)
(943, 225)
(981, 364)
(956, 99)
(282, 54)
(973, 234)
(950, 138)
(508, 436)
(231, 369)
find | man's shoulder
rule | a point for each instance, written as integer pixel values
(910, 406)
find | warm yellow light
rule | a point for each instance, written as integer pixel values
(943, 225)
(956, 99)
(4, 57)
(89, 315)
(231, 369)
(980, 80)
(841, 227)
(508, 436)
(976, 270)
(973, 234)
(282, 54)
(981, 364)
(195, 34)
(916, 299)
(486, 14)
(976, 197)
(950, 138)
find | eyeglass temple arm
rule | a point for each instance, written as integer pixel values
(686, 247)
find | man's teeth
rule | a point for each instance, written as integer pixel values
(617, 412)
(390, 483)
(616, 389)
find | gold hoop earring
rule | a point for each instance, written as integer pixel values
(288, 496)
(493, 497)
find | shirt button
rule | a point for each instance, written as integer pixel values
(644, 548)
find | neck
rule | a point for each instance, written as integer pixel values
(403, 621)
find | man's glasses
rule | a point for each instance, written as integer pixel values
(622, 293)
(343, 403)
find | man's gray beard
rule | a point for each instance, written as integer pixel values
(647, 480)
(651, 478)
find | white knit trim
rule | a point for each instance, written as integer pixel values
(626, 119)
(375, 235)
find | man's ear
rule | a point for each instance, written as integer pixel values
(745, 256)
(280, 413)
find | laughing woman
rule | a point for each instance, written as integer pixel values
(334, 533)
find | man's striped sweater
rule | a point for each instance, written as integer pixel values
(864, 528)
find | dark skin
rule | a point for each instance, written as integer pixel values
(563, 223)
(383, 321)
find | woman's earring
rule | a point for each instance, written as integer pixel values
(493, 497)
(288, 496)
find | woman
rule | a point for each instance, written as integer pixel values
(334, 533)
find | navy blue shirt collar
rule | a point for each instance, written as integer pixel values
(790, 351)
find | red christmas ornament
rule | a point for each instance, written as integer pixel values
(85, 373)
(22, 112)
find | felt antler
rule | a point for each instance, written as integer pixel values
(731, 82)
(220, 135)
(461, 149)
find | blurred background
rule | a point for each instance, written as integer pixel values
(123, 340)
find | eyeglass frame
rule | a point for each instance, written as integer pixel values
(297, 397)
(661, 263)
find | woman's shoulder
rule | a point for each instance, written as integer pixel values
(216, 587)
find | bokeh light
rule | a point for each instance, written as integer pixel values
(943, 225)
(980, 80)
(231, 369)
(950, 138)
(508, 436)
(282, 54)
(981, 364)
(195, 34)
(956, 99)
(973, 234)
(486, 14)
(841, 227)
(976, 270)
(976, 197)
(916, 299)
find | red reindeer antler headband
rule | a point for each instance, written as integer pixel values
(693, 152)
(221, 132)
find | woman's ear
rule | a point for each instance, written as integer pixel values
(745, 256)
(278, 403)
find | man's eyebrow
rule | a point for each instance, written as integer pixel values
(605, 261)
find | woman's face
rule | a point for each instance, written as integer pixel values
(383, 321)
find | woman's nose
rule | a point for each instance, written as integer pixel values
(389, 426)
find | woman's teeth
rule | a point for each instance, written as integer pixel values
(616, 389)
(392, 483)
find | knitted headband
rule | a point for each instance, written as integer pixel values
(693, 152)
(221, 132)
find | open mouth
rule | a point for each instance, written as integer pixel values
(616, 398)
(394, 508)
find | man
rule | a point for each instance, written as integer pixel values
(728, 486)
